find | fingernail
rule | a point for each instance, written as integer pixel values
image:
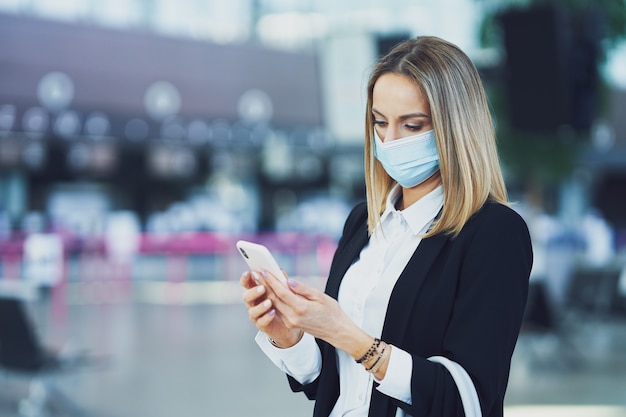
(272, 313)
(267, 303)
(293, 283)
(264, 273)
(255, 276)
(260, 289)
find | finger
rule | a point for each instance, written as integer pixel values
(266, 319)
(293, 287)
(246, 280)
(285, 302)
(267, 274)
(277, 281)
(303, 290)
(256, 312)
(254, 295)
(276, 288)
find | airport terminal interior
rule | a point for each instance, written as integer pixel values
(141, 139)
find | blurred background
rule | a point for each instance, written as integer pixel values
(140, 139)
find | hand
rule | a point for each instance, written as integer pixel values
(301, 307)
(263, 315)
(306, 308)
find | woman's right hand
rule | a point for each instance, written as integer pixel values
(262, 313)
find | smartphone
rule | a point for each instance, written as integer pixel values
(259, 258)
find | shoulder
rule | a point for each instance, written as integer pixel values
(496, 218)
(496, 212)
(358, 214)
(357, 220)
(359, 210)
(498, 233)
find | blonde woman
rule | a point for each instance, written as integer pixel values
(434, 264)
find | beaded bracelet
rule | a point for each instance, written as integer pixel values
(378, 363)
(380, 355)
(374, 370)
(371, 352)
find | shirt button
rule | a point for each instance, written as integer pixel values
(360, 397)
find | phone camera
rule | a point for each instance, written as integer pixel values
(243, 252)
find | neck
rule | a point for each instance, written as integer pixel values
(413, 194)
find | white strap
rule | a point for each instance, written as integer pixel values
(464, 383)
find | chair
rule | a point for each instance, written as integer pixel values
(22, 354)
(596, 291)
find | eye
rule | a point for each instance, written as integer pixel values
(414, 128)
(380, 123)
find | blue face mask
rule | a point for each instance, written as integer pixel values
(410, 160)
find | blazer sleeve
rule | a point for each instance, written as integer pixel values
(495, 258)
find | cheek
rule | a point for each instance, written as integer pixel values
(380, 131)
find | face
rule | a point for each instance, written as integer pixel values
(399, 109)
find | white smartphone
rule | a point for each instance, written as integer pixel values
(259, 258)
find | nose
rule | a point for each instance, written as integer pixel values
(391, 133)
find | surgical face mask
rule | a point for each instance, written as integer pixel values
(410, 160)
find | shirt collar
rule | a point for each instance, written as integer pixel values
(418, 214)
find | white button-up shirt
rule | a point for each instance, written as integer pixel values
(364, 294)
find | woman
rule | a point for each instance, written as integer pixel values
(435, 264)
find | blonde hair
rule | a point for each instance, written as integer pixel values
(468, 157)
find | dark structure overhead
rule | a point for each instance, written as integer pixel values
(128, 75)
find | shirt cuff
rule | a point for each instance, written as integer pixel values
(397, 380)
(302, 361)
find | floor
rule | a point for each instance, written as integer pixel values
(188, 350)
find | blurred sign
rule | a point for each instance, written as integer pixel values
(43, 259)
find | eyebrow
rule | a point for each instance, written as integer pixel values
(404, 116)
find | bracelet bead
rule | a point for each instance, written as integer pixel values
(370, 352)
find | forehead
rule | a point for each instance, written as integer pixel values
(396, 94)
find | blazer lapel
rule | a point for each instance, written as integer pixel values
(408, 286)
(350, 252)
(402, 297)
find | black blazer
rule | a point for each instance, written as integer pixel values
(461, 297)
